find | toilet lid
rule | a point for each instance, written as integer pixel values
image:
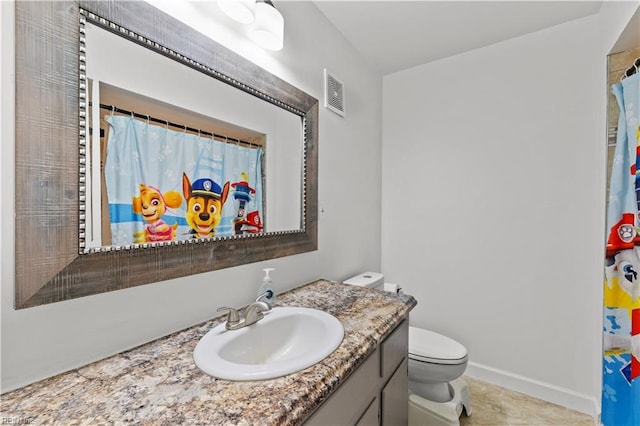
(425, 345)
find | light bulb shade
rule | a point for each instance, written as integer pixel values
(242, 11)
(268, 28)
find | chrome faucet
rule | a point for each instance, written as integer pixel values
(252, 314)
(255, 312)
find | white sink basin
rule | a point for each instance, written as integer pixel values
(285, 341)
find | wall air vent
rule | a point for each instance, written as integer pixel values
(333, 93)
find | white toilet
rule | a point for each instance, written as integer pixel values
(437, 393)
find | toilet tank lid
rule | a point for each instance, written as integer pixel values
(366, 279)
(428, 344)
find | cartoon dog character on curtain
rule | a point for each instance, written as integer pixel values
(620, 334)
(205, 199)
(152, 204)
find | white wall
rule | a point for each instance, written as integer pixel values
(494, 201)
(42, 341)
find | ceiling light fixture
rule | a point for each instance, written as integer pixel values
(268, 28)
(243, 11)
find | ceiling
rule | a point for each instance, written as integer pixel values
(396, 35)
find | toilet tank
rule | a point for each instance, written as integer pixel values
(367, 279)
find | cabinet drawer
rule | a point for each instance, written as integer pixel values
(393, 350)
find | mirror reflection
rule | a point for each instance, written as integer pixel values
(180, 155)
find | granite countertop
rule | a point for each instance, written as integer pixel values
(158, 383)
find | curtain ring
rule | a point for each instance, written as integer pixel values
(113, 110)
(147, 119)
(166, 124)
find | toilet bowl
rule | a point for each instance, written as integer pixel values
(437, 393)
(434, 361)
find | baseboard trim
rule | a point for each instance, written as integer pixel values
(541, 390)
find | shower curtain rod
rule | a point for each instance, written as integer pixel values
(179, 126)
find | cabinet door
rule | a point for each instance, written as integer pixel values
(395, 398)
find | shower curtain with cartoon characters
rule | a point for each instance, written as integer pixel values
(165, 185)
(621, 340)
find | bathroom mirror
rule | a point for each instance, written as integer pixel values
(53, 260)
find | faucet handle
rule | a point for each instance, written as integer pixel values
(233, 317)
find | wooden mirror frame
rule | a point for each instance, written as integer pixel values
(50, 264)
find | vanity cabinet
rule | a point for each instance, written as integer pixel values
(377, 392)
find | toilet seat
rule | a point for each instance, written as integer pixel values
(431, 347)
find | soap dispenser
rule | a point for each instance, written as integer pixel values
(267, 294)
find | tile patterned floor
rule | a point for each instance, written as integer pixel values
(495, 406)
